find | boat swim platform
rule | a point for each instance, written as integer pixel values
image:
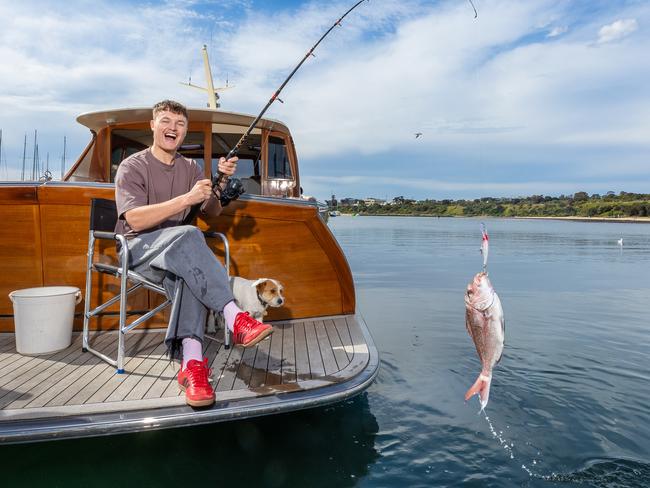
(72, 394)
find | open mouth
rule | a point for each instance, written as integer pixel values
(170, 137)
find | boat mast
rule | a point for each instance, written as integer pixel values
(63, 160)
(35, 168)
(22, 175)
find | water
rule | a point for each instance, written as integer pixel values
(569, 404)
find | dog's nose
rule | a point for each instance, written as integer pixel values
(280, 301)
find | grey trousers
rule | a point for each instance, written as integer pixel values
(165, 255)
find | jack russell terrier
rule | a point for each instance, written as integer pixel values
(252, 296)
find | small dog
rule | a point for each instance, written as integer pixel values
(252, 296)
(255, 296)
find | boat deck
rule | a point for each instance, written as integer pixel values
(70, 393)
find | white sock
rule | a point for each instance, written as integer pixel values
(230, 312)
(192, 349)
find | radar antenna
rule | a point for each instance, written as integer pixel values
(213, 93)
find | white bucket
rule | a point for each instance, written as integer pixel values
(43, 318)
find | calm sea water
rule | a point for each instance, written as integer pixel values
(570, 400)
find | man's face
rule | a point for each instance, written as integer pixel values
(169, 130)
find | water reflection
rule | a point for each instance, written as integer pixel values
(332, 446)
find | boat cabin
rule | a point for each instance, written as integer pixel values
(267, 160)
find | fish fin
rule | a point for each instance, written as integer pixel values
(482, 387)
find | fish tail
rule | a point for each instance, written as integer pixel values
(482, 387)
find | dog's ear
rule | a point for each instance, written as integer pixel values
(261, 285)
(256, 283)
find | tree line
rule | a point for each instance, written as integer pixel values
(579, 204)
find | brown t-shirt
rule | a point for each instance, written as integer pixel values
(142, 179)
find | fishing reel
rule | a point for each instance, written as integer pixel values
(234, 188)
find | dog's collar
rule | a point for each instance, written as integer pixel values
(259, 297)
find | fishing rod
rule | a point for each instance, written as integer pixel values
(226, 188)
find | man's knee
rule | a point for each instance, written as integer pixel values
(190, 232)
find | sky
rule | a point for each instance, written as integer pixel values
(531, 97)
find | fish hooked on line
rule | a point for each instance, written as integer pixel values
(485, 324)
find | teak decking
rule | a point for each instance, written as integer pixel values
(305, 363)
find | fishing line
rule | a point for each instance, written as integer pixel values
(475, 12)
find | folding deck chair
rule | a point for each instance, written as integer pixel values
(103, 217)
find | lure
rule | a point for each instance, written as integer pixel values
(485, 246)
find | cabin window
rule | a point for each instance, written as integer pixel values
(125, 142)
(279, 166)
(280, 181)
(82, 169)
(248, 166)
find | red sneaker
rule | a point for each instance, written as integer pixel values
(248, 331)
(193, 380)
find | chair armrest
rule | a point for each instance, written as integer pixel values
(123, 248)
(99, 234)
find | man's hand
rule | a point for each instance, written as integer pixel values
(228, 167)
(200, 192)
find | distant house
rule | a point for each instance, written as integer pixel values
(374, 201)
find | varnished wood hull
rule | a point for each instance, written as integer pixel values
(44, 238)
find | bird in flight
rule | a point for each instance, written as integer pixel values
(418, 134)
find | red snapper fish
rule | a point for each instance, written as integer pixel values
(486, 326)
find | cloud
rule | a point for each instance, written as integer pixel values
(557, 31)
(515, 85)
(617, 30)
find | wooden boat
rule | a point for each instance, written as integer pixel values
(320, 353)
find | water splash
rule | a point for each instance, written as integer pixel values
(598, 473)
(509, 448)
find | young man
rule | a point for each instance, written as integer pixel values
(154, 191)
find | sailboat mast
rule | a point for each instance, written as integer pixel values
(63, 160)
(35, 160)
(22, 175)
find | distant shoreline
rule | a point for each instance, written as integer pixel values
(620, 220)
(626, 220)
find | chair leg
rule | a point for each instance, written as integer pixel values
(226, 336)
(120, 352)
(175, 308)
(89, 265)
(122, 325)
